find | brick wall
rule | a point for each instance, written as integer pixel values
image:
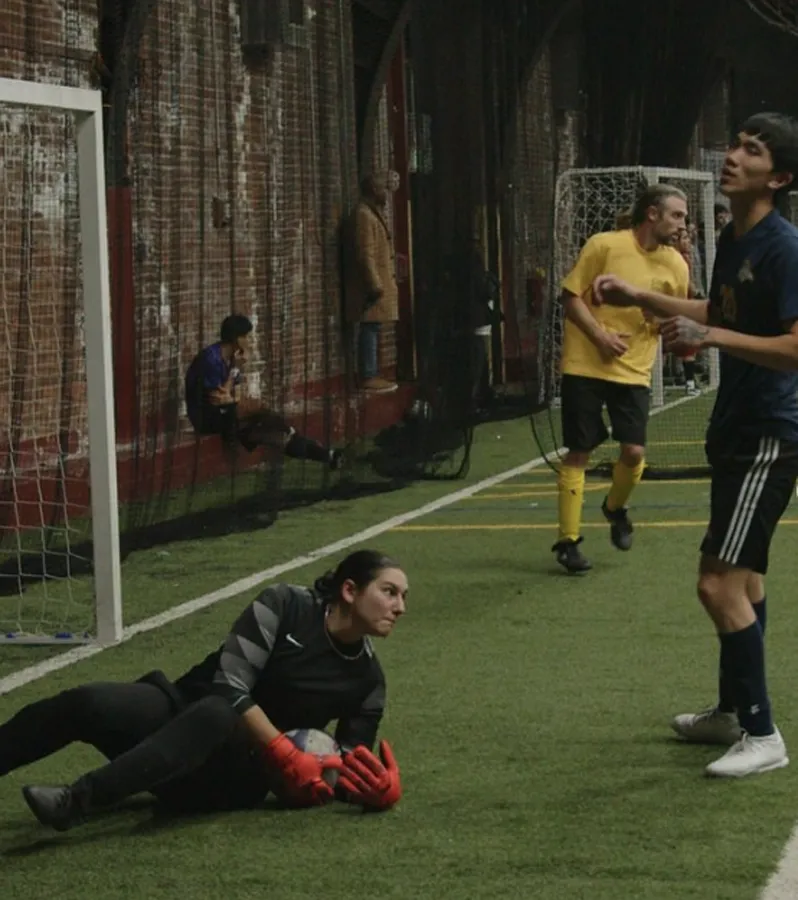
(239, 176)
(50, 41)
(238, 173)
(42, 379)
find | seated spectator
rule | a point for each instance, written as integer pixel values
(213, 408)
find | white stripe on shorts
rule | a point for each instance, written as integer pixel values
(748, 499)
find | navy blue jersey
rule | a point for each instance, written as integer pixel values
(208, 371)
(755, 291)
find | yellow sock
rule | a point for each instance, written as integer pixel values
(571, 487)
(624, 481)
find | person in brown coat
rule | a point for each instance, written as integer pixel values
(372, 296)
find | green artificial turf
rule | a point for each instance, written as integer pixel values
(528, 711)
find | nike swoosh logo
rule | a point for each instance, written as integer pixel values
(292, 640)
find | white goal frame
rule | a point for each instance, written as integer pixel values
(563, 262)
(86, 107)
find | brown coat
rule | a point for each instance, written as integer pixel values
(370, 267)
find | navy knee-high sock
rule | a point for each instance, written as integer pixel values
(761, 611)
(743, 661)
(725, 699)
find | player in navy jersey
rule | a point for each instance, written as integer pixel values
(215, 738)
(752, 439)
(213, 407)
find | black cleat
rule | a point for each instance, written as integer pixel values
(571, 558)
(621, 529)
(53, 806)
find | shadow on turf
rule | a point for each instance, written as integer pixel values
(401, 455)
(39, 839)
(117, 822)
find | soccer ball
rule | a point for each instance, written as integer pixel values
(319, 743)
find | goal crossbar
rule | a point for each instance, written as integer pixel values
(662, 172)
(50, 96)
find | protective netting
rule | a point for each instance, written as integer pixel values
(232, 159)
(236, 137)
(782, 14)
(44, 493)
(235, 171)
(530, 237)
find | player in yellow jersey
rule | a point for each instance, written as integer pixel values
(607, 357)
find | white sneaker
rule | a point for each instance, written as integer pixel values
(711, 726)
(751, 756)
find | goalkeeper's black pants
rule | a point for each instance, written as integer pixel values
(192, 757)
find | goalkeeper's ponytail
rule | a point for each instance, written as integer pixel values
(324, 585)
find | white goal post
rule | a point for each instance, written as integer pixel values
(587, 201)
(82, 110)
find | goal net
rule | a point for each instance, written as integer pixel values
(589, 201)
(59, 553)
(781, 14)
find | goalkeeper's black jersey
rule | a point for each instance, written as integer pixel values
(280, 657)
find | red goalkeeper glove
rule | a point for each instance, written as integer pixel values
(372, 782)
(302, 773)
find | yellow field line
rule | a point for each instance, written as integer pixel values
(588, 489)
(602, 484)
(702, 523)
(675, 444)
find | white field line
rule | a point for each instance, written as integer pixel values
(70, 657)
(39, 670)
(783, 883)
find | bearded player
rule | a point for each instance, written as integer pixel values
(607, 358)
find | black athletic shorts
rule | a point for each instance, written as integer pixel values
(254, 430)
(582, 402)
(753, 480)
(221, 420)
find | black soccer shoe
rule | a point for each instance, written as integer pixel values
(571, 558)
(54, 806)
(621, 529)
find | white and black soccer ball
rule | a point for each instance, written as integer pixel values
(318, 743)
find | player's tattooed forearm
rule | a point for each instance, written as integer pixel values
(692, 332)
(682, 330)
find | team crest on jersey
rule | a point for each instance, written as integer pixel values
(728, 303)
(746, 273)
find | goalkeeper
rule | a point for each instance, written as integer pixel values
(214, 739)
(607, 358)
(213, 408)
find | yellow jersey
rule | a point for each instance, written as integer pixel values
(618, 253)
